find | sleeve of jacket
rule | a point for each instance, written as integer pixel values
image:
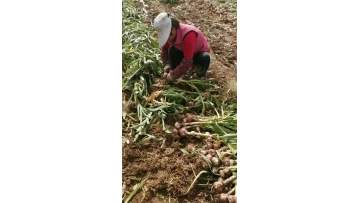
(181, 69)
(186, 63)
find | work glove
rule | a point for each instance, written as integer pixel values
(167, 68)
(165, 75)
(169, 76)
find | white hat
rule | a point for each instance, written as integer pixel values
(162, 23)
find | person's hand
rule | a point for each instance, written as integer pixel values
(169, 76)
(165, 75)
(166, 68)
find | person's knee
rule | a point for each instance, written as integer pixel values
(206, 58)
(203, 63)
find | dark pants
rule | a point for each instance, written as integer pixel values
(201, 60)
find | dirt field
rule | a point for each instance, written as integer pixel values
(168, 171)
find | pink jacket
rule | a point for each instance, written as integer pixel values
(201, 42)
(201, 45)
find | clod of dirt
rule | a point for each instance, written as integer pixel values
(169, 151)
(190, 147)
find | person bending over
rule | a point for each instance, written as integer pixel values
(183, 47)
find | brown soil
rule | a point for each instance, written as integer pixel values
(168, 172)
(217, 21)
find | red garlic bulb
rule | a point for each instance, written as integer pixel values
(177, 125)
(232, 198)
(183, 132)
(215, 161)
(218, 187)
(223, 198)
